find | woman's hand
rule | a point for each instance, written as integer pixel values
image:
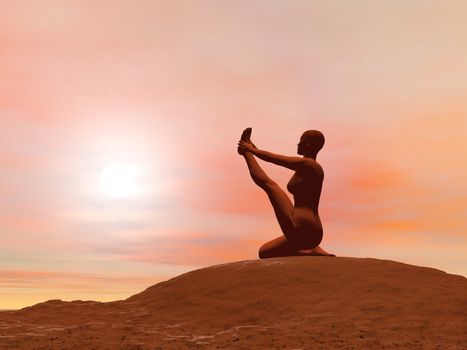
(244, 147)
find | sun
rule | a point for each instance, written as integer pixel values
(119, 180)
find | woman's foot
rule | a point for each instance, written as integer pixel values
(316, 251)
(246, 135)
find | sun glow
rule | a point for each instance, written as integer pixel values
(119, 180)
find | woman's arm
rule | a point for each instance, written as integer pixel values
(293, 163)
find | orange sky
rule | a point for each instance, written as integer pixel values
(169, 86)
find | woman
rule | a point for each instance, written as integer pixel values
(300, 223)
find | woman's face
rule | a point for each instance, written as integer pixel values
(301, 144)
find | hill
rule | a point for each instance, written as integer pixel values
(279, 303)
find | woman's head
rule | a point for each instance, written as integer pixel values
(310, 142)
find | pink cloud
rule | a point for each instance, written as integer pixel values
(187, 248)
(48, 279)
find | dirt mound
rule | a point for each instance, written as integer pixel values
(279, 303)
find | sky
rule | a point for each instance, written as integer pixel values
(167, 87)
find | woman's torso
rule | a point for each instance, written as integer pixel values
(305, 185)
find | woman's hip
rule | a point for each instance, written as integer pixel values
(306, 221)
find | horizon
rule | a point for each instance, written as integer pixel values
(118, 144)
(248, 260)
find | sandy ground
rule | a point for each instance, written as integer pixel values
(282, 303)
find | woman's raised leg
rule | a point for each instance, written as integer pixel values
(283, 207)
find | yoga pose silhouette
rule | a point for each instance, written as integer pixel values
(300, 223)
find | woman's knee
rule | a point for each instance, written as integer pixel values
(264, 253)
(277, 247)
(267, 249)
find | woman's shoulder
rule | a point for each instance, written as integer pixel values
(313, 167)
